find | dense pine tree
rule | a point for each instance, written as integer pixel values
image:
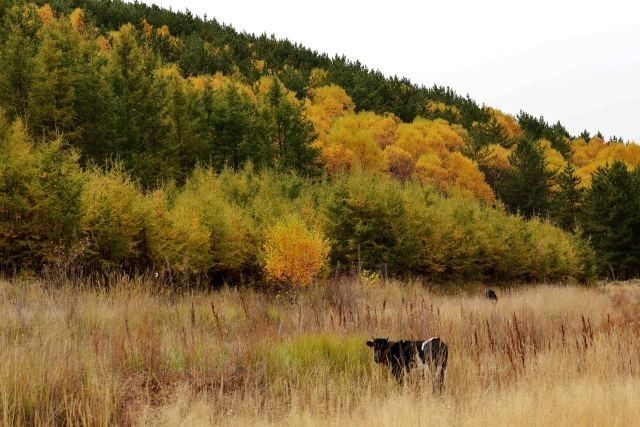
(183, 144)
(18, 37)
(527, 187)
(239, 134)
(566, 202)
(94, 105)
(611, 219)
(52, 95)
(139, 106)
(537, 128)
(290, 132)
(585, 135)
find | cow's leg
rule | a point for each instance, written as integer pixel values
(397, 370)
(442, 366)
(437, 379)
(441, 379)
(434, 375)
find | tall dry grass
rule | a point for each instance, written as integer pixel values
(134, 354)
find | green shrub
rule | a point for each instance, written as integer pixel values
(366, 223)
(469, 240)
(175, 241)
(417, 231)
(202, 205)
(113, 217)
(40, 186)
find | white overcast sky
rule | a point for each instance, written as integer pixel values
(573, 61)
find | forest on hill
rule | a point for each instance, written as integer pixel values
(133, 137)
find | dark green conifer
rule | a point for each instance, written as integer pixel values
(527, 188)
(610, 217)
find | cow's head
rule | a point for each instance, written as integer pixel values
(380, 349)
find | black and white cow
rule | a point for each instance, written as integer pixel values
(402, 356)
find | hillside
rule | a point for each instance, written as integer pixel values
(134, 137)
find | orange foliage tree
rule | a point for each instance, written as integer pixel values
(399, 162)
(498, 157)
(509, 124)
(77, 20)
(294, 254)
(325, 104)
(435, 147)
(588, 156)
(553, 158)
(46, 15)
(355, 133)
(337, 159)
(454, 172)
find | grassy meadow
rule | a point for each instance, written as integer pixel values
(136, 354)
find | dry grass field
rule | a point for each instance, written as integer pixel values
(135, 355)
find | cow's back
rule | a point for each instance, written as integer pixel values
(434, 351)
(404, 352)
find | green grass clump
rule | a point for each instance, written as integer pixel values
(313, 355)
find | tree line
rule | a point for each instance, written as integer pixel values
(259, 226)
(155, 95)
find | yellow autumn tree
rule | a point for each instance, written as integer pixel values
(103, 44)
(434, 147)
(113, 214)
(77, 20)
(337, 159)
(219, 81)
(553, 158)
(498, 157)
(585, 152)
(361, 134)
(146, 28)
(163, 31)
(317, 77)
(45, 13)
(589, 156)
(294, 254)
(265, 83)
(509, 124)
(201, 205)
(449, 111)
(175, 241)
(430, 136)
(325, 104)
(453, 172)
(627, 153)
(382, 128)
(258, 65)
(399, 162)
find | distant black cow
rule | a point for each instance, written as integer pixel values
(402, 356)
(490, 294)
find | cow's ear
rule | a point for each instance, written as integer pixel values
(369, 343)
